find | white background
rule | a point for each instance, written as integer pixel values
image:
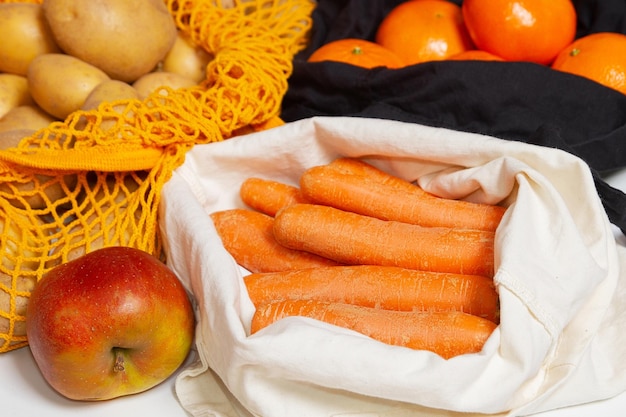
(24, 393)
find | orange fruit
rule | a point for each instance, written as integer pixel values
(359, 52)
(475, 55)
(600, 57)
(521, 30)
(424, 30)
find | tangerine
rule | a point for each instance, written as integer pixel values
(521, 30)
(475, 55)
(424, 30)
(359, 52)
(600, 57)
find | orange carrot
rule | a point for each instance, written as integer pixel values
(387, 287)
(268, 196)
(351, 238)
(359, 167)
(247, 235)
(447, 333)
(388, 199)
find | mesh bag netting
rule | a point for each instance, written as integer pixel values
(94, 179)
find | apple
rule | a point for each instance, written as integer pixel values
(113, 322)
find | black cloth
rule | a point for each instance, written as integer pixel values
(511, 100)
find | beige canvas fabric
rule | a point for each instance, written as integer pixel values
(560, 277)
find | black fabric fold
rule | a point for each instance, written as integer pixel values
(514, 101)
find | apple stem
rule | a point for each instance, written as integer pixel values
(119, 362)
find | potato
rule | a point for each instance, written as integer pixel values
(24, 283)
(21, 302)
(26, 190)
(108, 91)
(124, 38)
(111, 90)
(24, 34)
(60, 83)
(13, 92)
(30, 117)
(152, 81)
(109, 195)
(11, 138)
(187, 59)
(25, 194)
(33, 199)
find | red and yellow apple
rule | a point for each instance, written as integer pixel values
(113, 322)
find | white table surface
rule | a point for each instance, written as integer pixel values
(24, 393)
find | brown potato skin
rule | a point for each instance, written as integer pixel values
(26, 117)
(124, 38)
(187, 59)
(24, 34)
(61, 83)
(153, 81)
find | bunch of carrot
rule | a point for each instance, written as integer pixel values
(357, 247)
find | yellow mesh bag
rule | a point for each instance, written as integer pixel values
(94, 179)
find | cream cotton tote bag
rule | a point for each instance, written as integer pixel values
(560, 277)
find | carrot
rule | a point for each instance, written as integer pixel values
(351, 238)
(448, 333)
(247, 235)
(379, 196)
(359, 167)
(387, 287)
(268, 196)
